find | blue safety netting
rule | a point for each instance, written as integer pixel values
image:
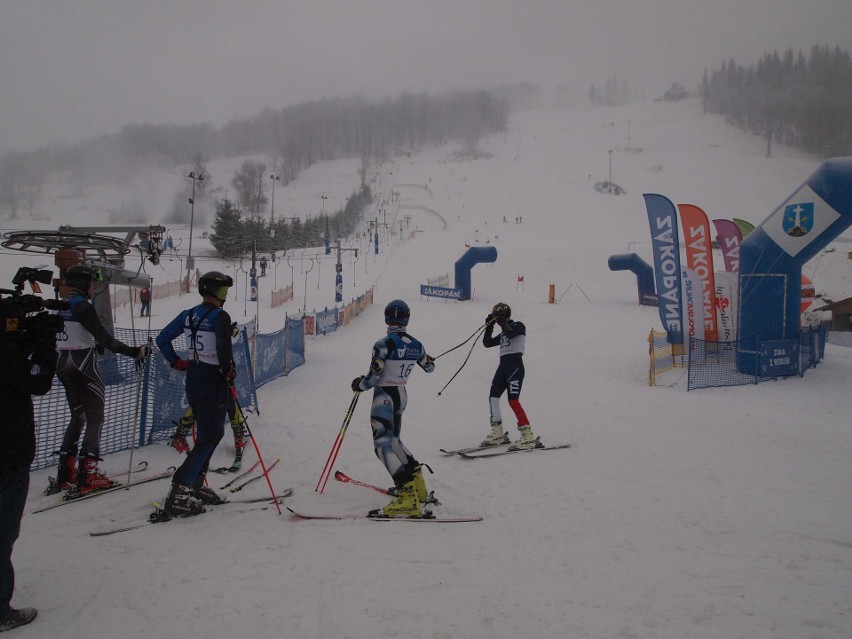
(142, 405)
(714, 364)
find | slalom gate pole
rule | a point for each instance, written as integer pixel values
(475, 342)
(463, 343)
(256, 447)
(338, 442)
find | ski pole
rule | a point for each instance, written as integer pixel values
(335, 448)
(140, 371)
(256, 447)
(463, 343)
(478, 333)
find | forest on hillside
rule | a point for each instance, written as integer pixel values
(791, 99)
(295, 137)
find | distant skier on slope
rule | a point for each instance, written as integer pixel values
(394, 357)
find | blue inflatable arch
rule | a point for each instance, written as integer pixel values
(771, 256)
(644, 274)
(473, 256)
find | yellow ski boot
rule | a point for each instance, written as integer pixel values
(404, 504)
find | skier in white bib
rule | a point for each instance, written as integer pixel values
(394, 357)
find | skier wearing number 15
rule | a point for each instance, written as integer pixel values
(394, 357)
(509, 377)
(209, 373)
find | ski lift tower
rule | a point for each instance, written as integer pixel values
(91, 246)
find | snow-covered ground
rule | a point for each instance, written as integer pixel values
(715, 513)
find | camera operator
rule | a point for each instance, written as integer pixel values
(28, 353)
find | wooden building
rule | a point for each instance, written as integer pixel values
(841, 314)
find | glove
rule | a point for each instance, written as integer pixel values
(490, 319)
(230, 374)
(143, 352)
(356, 384)
(235, 330)
(429, 359)
(181, 365)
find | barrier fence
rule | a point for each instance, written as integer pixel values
(714, 364)
(143, 405)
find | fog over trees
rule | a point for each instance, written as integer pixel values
(297, 136)
(791, 99)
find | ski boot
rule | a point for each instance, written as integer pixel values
(425, 495)
(184, 427)
(17, 618)
(496, 437)
(179, 503)
(238, 426)
(527, 440)
(405, 504)
(239, 435)
(204, 494)
(88, 477)
(66, 474)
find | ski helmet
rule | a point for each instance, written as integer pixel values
(216, 284)
(79, 277)
(397, 313)
(501, 311)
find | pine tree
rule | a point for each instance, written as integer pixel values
(228, 236)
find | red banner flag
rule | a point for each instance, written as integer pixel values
(699, 257)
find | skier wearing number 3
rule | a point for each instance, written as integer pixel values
(394, 357)
(508, 378)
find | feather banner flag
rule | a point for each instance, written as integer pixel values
(692, 308)
(727, 287)
(665, 244)
(745, 226)
(699, 257)
(730, 238)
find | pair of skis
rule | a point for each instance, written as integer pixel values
(346, 479)
(78, 497)
(264, 501)
(235, 465)
(239, 487)
(433, 519)
(482, 452)
(53, 486)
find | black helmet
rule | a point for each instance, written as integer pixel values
(216, 284)
(501, 311)
(397, 313)
(80, 276)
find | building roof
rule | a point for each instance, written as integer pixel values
(842, 305)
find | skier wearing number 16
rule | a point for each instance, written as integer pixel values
(394, 357)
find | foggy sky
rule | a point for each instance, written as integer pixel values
(74, 69)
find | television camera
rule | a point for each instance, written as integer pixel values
(26, 319)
